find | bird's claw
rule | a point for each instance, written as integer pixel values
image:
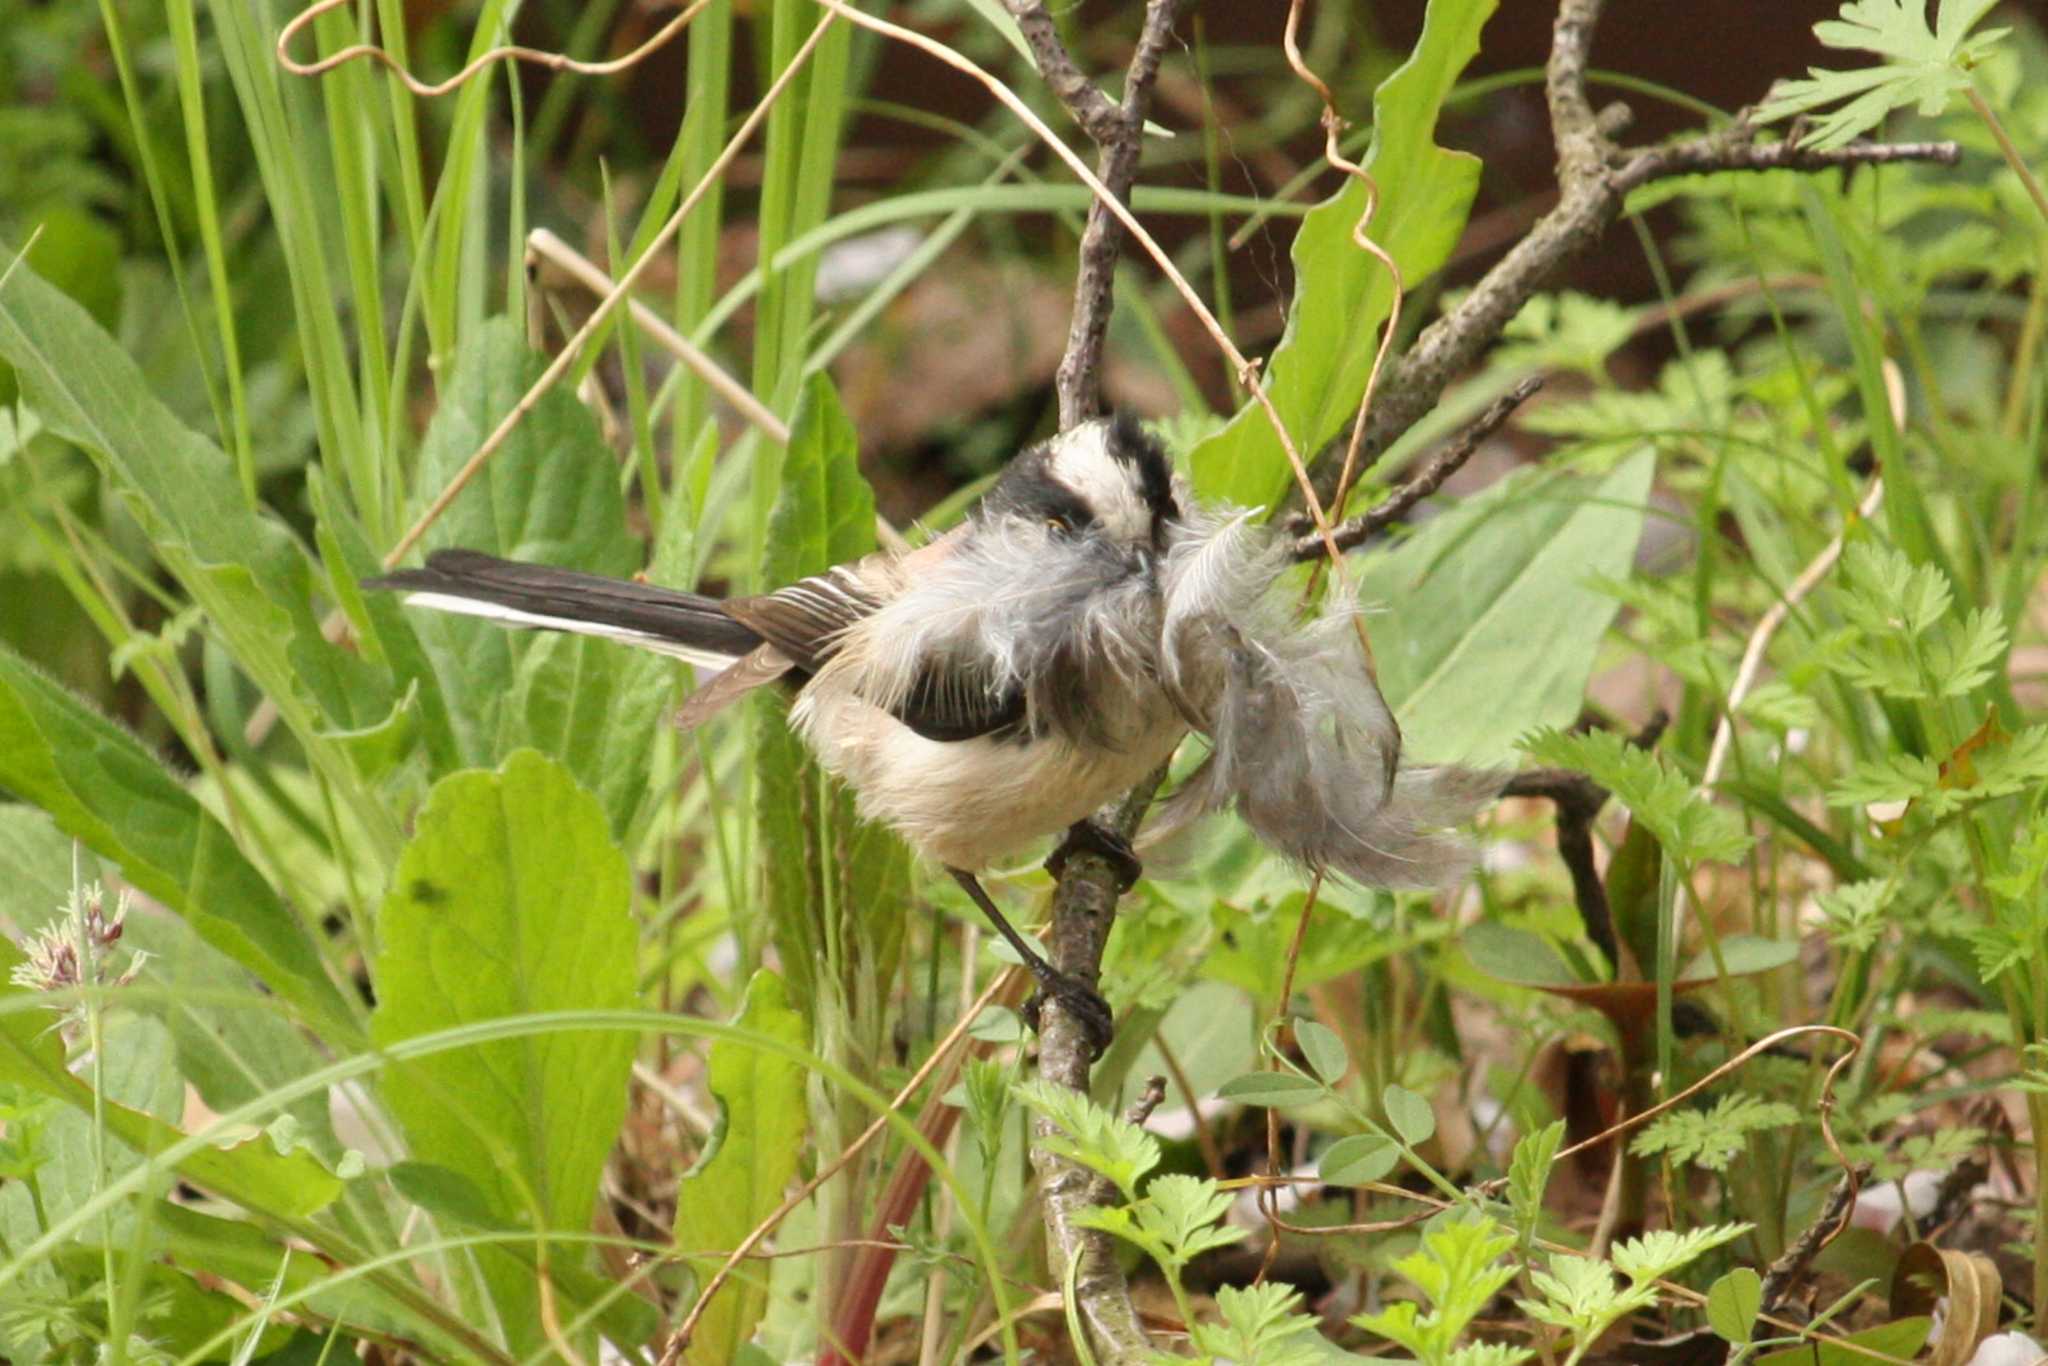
(1080, 1001)
(1088, 837)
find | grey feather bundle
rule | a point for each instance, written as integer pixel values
(1303, 744)
(1015, 608)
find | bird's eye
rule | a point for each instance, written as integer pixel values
(1059, 524)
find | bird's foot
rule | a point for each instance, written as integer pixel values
(1078, 999)
(1089, 837)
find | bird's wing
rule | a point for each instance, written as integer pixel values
(812, 620)
(808, 620)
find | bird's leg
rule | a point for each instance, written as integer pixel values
(1077, 998)
(1090, 837)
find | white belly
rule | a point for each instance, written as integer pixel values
(968, 803)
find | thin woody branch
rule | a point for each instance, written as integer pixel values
(1308, 545)
(1118, 132)
(1595, 175)
(1084, 904)
(1083, 908)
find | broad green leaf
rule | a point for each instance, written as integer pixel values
(1409, 1114)
(1317, 374)
(1323, 1049)
(384, 629)
(511, 899)
(104, 789)
(252, 1174)
(828, 872)
(254, 1258)
(1741, 955)
(551, 496)
(1898, 1340)
(759, 1144)
(1271, 1090)
(1490, 627)
(244, 569)
(1732, 1304)
(1522, 957)
(1358, 1158)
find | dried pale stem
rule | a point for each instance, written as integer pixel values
(1333, 132)
(544, 245)
(553, 61)
(619, 293)
(1767, 627)
(672, 1351)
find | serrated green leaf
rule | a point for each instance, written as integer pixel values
(1690, 830)
(1183, 1214)
(1097, 1139)
(1732, 1305)
(1317, 373)
(1410, 1114)
(104, 789)
(1271, 1090)
(511, 899)
(1357, 1159)
(1529, 1175)
(1923, 67)
(1652, 1256)
(759, 1145)
(1888, 778)
(1710, 1139)
(1495, 588)
(1323, 1049)
(1262, 1323)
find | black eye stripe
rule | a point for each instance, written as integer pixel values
(1130, 443)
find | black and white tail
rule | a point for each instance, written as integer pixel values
(686, 626)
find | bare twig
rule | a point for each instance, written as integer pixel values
(1595, 176)
(1084, 905)
(1403, 499)
(1083, 908)
(1148, 1100)
(1785, 1273)
(1118, 131)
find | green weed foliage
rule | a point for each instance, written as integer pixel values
(380, 980)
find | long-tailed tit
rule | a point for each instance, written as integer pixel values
(1004, 681)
